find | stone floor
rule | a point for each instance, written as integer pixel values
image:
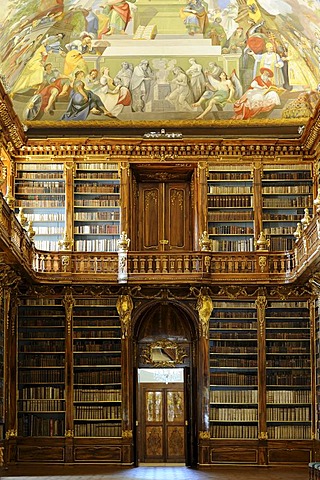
(95, 472)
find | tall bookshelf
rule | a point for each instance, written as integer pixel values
(317, 367)
(288, 369)
(97, 368)
(40, 192)
(233, 370)
(96, 207)
(286, 192)
(41, 368)
(1, 365)
(230, 207)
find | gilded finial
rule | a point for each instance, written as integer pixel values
(306, 219)
(22, 218)
(123, 242)
(298, 232)
(9, 198)
(205, 242)
(263, 243)
(65, 243)
(31, 231)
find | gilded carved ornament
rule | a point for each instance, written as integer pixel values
(127, 434)
(261, 303)
(203, 435)
(68, 302)
(164, 353)
(124, 308)
(204, 307)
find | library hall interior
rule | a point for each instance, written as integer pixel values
(160, 239)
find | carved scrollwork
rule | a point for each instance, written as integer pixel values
(164, 353)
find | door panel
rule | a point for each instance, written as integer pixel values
(150, 207)
(177, 226)
(162, 423)
(164, 216)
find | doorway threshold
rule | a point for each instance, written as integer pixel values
(162, 465)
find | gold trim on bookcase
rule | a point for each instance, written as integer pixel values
(69, 433)
(261, 303)
(127, 434)
(69, 166)
(68, 302)
(263, 436)
(124, 308)
(203, 435)
(204, 307)
(262, 263)
(11, 433)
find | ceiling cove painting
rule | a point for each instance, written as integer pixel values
(159, 60)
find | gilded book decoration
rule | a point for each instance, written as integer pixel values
(77, 60)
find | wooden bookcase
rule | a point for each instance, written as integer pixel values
(97, 368)
(96, 207)
(230, 207)
(41, 368)
(286, 191)
(288, 368)
(233, 370)
(40, 190)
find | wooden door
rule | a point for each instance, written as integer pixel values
(162, 423)
(164, 216)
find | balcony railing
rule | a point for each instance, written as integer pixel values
(146, 267)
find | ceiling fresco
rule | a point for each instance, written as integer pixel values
(160, 60)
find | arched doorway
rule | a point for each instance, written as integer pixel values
(165, 407)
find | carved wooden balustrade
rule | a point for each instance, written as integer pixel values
(147, 267)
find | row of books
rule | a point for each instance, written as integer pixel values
(230, 230)
(97, 175)
(232, 378)
(289, 432)
(287, 202)
(243, 245)
(98, 229)
(40, 167)
(97, 166)
(96, 395)
(94, 187)
(287, 189)
(56, 360)
(94, 360)
(97, 245)
(287, 414)
(234, 431)
(97, 377)
(229, 189)
(288, 396)
(98, 430)
(97, 412)
(234, 396)
(41, 392)
(40, 426)
(234, 414)
(43, 405)
(230, 202)
(42, 346)
(97, 216)
(51, 375)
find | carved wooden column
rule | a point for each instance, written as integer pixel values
(204, 307)
(68, 240)
(313, 366)
(201, 202)
(68, 302)
(261, 304)
(124, 308)
(257, 199)
(9, 294)
(126, 211)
